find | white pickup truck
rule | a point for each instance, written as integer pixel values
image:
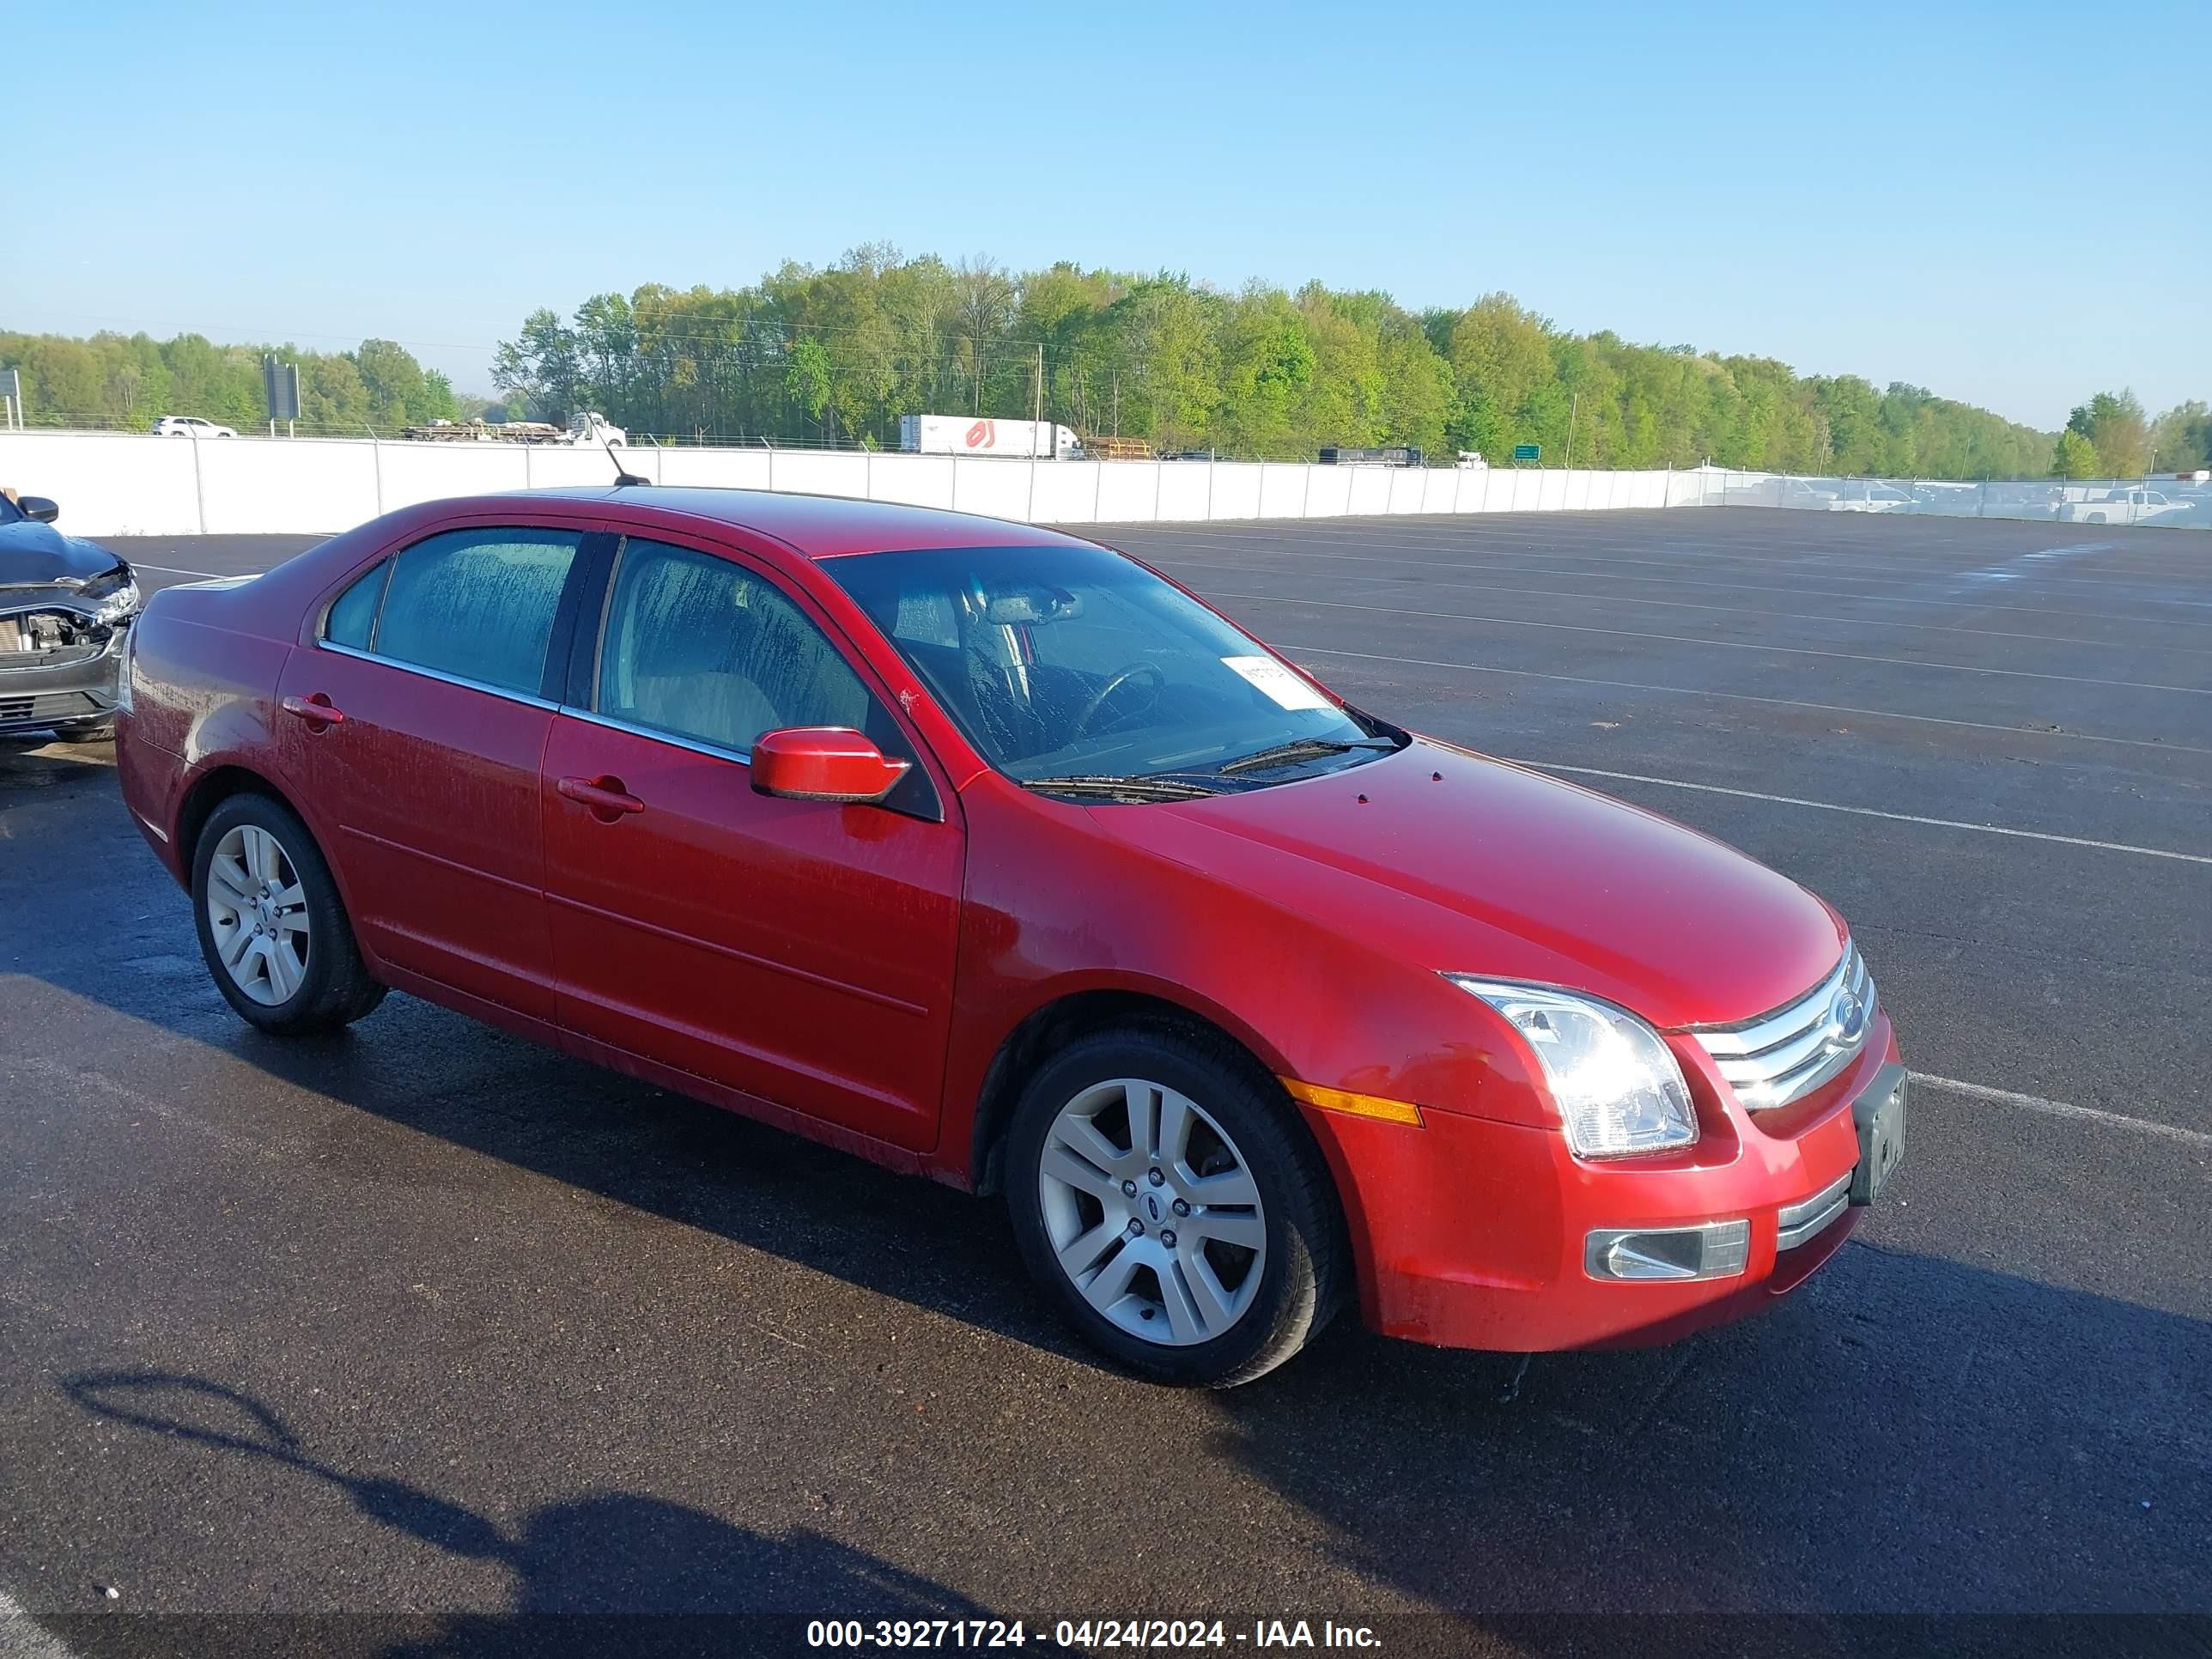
(2134, 504)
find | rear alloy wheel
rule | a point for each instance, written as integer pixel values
(258, 915)
(272, 925)
(1177, 1211)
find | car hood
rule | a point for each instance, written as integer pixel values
(34, 555)
(1458, 862)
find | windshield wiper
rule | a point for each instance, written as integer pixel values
(1132, 787)
(1300, 749)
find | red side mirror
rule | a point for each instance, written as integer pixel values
(823, 762)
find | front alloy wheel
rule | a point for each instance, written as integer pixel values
(1166, 1194)
(1153, 1211)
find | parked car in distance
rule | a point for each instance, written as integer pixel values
(2124, 506)
(190, 426)
(1871, 495)
(1776, 490)
(66, 607)
(992, 855)
(1390, 455)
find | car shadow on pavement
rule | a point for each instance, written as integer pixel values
(610, 1570)
(1906, 1436)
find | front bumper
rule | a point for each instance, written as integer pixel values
(76, 693)
(1473, 1233)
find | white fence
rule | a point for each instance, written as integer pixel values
(136, 484)
(112, 484)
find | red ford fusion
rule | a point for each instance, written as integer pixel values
(992, 855)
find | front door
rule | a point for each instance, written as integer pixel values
(799, 952)
(417, 721)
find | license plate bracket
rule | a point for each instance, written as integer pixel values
(1879, 1114)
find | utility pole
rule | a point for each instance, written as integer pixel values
(1117, 402)
(1574, 409)
(1036, 404)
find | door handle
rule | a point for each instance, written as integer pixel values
(316, 709)
(606, 797)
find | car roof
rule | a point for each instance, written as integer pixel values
(818, 527)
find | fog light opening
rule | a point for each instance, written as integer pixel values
(1712, 1249)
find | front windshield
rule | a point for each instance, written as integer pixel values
(9, 513)
(1073, 661)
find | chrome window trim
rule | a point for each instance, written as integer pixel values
(529, 699)
(676, 740)
(1780, 1057)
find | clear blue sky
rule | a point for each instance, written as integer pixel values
(2011, 205)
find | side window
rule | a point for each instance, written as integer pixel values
(477, 604)
(704, 648)
(353, 613)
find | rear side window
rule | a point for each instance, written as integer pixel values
(477, 604)
(353, 614)
(702, 648)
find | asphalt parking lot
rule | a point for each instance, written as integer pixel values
(402, 1342)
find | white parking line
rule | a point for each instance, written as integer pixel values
(1746, 696)
(2064, 1108)
(1728, 645)
(1866, 811)
(173, 570)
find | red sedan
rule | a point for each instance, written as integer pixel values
(991, 854)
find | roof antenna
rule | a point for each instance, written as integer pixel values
(623, 474)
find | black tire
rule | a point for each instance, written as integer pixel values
(335, 989)
(1303, 1270)
(103, 732)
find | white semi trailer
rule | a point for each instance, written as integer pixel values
(964, 435)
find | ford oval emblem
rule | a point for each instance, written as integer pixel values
(1847, 1015)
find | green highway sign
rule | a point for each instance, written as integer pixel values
(1527, 452)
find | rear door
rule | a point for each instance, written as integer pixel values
(417, 721)
(799, 952)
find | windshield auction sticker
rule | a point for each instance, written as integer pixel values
(1277, 683)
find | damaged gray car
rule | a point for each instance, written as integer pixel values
(66, 607)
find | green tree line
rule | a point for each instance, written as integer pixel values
(125, 381)
(836, 355)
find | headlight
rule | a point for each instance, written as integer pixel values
(113, 596)
(1615, 1081)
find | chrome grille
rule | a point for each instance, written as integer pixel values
(1783, 1056)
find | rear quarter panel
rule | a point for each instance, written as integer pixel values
(203, 682)
(206, 660)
